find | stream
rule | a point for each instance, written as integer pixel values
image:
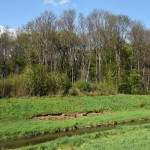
(17, 143)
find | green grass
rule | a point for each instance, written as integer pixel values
(15, 114)
(22, 109)
(122, 138)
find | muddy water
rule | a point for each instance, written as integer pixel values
(17, 143)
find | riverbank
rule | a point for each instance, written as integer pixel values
(17, 115)
(70, 132)
(135, 137)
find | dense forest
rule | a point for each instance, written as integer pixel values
(52, 53)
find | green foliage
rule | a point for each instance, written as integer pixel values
(83, 85)
(74, 91)
(38, 81)
(134, 82)
(35, 80)
(66, 84)
(11, 86)
(103, 89)
(95, 57)
(5, 88)
(58, 82)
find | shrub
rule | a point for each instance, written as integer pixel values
(106, 89)
(102, 89)
(11, 86)
(65, 83)
(35, 80)
(74, 91)
(5, 88)
(93, 88)
(133, 83)
(83, 86)
(17, 89)
(58, 82)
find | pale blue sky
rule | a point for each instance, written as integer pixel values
(15, 13)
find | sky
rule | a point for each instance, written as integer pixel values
(16, 13)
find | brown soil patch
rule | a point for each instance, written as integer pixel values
(68, 116)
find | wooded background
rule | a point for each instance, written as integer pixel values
(98, 48)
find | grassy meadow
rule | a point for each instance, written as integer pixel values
(16, 118)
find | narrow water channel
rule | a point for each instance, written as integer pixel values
(17, 143)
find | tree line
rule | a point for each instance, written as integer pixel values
(98, 48)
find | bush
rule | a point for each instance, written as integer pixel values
(17, 89)
(83, 86)
(92, 88)
(101, 89)
(58, 83)
(35, 80)
(11, 86)
(5, 88)
(104, 89)
(39, 82)
(74, 91)
(65, 83)
(133, 83)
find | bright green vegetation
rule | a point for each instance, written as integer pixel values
(16, 114)
(122, 138)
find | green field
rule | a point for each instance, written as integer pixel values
(16, 122)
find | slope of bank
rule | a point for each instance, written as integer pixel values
(17, 115)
